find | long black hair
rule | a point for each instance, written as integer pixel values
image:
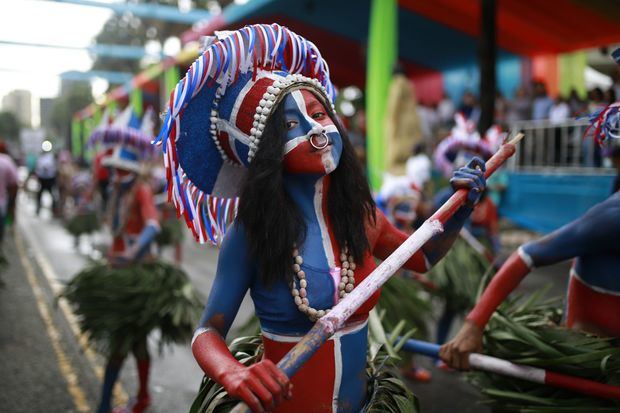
(272, 220)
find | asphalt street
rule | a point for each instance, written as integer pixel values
(47, 367)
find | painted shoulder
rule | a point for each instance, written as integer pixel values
(605, 215)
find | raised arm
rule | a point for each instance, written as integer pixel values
(262, 385)
(387, 238)
(150, 216)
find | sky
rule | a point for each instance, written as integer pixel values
(41, 21)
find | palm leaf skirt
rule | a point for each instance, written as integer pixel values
(387, 393)
(529, 332)
(458, 276)
(118, 306)
(85, 223)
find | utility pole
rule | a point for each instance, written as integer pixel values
(487, 53)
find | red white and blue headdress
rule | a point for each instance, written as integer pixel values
(127, 140)
(605, 123)
(463, 138)
(217, 114)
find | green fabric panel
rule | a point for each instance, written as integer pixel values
(76, 137)
(112, 106)
(136, 101)
(89, 152)
(97, 116)
(382, 52)
(87, 129)
(572, 68)
(171, 78)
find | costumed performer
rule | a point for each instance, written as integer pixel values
(593, 297)
(120, 302)
(251, 131)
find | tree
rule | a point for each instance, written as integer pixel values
(76, 97)
(129, 30)
(9, 127)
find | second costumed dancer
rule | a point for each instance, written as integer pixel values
(120, 301)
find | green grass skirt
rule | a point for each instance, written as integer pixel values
(85, 223)
(116, 307)
(528, 332)
(387, 392)
(404, 299)
(458, 276)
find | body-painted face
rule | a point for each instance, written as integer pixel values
(123, 177)
(313, 144)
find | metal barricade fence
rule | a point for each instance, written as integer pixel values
(556, 147)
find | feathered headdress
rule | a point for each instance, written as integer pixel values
(126, 140)
(605, 123)
(217, 114)
(464, 137)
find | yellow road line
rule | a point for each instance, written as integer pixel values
(77, 393)
(120, 395)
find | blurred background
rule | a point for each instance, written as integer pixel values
(410, 75)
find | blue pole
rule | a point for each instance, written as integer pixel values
(422, 347)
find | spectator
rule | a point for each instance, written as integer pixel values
(542, 102)
(521, 106)
(445, 111)
(609, 96)
(469, 107)
(429, 121)
(46, 174)
(597, 100)
(501, 108)
(8, 188)
(559, 111)
(576, 104)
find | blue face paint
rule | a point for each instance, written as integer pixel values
(306, 118)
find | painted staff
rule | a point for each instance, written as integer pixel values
(326, 326)
(519, 371)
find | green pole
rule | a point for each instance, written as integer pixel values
(382, 54)
(89, 125)
(97, 116)
(171, 78)
(112, 108)
(76, 137)
(136, 101)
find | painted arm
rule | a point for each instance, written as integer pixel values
(150, 216)
(469, 177)
(389, 238)
(262, 385)
(579, 237)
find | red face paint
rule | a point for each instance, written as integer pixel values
(308, 123)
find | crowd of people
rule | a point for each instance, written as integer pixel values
(528, 103)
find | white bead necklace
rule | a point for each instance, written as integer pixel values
(347, 282)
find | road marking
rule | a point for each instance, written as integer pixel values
(120, 395)
(77, 393)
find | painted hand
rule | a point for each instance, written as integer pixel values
(456, 352)
(470, 177)
(261, 386)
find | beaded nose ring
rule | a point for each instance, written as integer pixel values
(319, 141)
